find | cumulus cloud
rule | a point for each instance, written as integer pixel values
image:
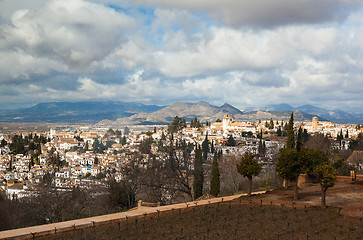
(262, 13)
(72, 32)
(182, 51)
(226, 49)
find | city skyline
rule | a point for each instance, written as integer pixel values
(159, 52)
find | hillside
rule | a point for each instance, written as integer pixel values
(129, 113)
(337, 115)
(202, 110)
(75, 112)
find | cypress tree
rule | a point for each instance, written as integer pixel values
(198, 174)
(299, 141)
(340, 135)
(215, 182)
(230, 141)
(260, 148)
(205, 147)
(290, 141)
(212, 147)
(279, 132)
(305, 135)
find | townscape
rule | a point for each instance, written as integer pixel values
(115, 110)
(157, 164)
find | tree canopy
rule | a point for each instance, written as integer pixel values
(215, 184)
(176, 125)
(249, 167)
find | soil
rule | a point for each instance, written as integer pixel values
(345, 195)
(269, 216)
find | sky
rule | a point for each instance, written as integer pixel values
(245, 53)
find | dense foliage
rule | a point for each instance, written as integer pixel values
(215, 184)
(249, 167)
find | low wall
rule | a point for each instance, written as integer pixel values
(47, 229)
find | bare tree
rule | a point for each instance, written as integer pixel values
(229, 176)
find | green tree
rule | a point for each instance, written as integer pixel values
(198, 174)
(123, 140)
(249, 167)
(289, 167)
(259, 135)
(3, 143)
(110, 132)
(261, 148)
(326, 175)
(230, 141)
(290, 141)
(305, 136)
(215, 182)
(127, 131)
(340, 135)
(86, 146)
(205, 147)
(118, 133)
(279, 132)
(176, 125)
(271, 125)
(299, 141)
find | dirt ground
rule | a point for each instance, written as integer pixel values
(273, 215)
(346, 195)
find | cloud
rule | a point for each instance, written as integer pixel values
(225, 49)
(262, 13)
(169, 51)
(74, 33)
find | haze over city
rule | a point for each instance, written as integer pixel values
(160, 52)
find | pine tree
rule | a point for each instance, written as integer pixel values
(212, 147)
(249, 167)
(215, 182)
(198, 174)
(347, 134)
(271, 125)
(290, 142)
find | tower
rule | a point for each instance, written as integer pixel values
(315, 123)
(226, 121)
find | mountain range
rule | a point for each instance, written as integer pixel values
(114, 113)
(76, 112)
